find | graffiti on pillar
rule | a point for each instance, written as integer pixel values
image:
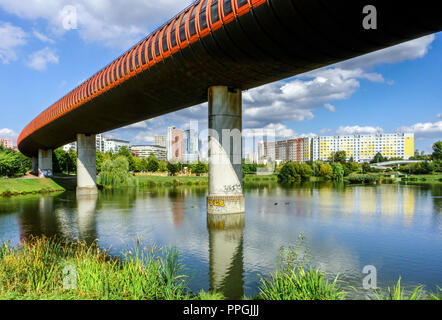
(216, 203)
(236, 188)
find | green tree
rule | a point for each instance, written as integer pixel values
(71, 161)
(378, 158)
(316, 166)
(115, 172)
(199, 167)
(59, 160)
(295, 172)
(124, 151)
(340, 156)
(437, 151)
(100, 158)
(338, 171)
(152, 163)
(13, 163)
(173, 168)
(326, 171)
(162, 166)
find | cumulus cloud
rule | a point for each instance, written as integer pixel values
(424, 130)
(115, 23)
(39, 60)
(348, 130)
(330, 107)
(43, 38)
(8, 134)
(11, 37)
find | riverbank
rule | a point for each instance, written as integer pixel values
(48, 269)
(12, 187)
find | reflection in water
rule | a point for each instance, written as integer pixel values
(87, 208)
(226, 255)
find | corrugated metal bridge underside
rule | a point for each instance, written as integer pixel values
(237, 43)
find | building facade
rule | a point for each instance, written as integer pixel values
(144, 151)
(360, 148)
(102, 144)
(7, 143)
(174, 144)
(161, 140)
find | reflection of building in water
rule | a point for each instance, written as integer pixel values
(326, 200)
(86, 209)
(408, 205)
(389, 201)
(367, 200)
(347, 201)
(226, 254)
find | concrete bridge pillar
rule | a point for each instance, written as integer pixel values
(86, 164)
(225, 152)
(44, 163)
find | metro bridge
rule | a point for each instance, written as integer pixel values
(212, 51)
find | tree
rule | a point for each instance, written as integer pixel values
(338, 171)
(162, 166)
(100, 158)
(71, 161)
(326, 171)
(437, 151)
(199, 167)
(124, 151)
(13, 163)
(152, 163)
(59, 160)
(340, 156)
(173, 168)
(378, 158)
(295, 172)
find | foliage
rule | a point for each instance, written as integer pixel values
(152, 163)
(13, 163)
(338, 171)
(36, 269)
(326, 171)
(340, 156)
(418, 168)
(398, 293)
(115, 173)
(100, 158)
(124, 151)
(173, 168)
(199, 167)
(162, 166)
(378, 158)
(295, 172)
(248, 168)
(362, 178)
(437, 151)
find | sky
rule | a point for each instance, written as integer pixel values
(47, 48)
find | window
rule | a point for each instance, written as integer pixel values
(157, 46)
(143, 53)
(203, 16)
(214, 14)
(165, 44)
(183, 28)
(227, 7)
(192, 27)
(173, 35)
(149, 51)
(241, 3)
(131, 60)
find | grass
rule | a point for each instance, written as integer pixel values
(44, 269)
(427, 178)
(154, 181)
(11, 187)
(50, 269)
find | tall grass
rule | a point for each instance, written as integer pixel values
(35, 270)
(397, 292)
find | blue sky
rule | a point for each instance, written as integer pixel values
(396, 89)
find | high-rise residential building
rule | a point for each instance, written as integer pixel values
(174, 144)
(102, 144)
(161, 140)
(7, 143)
(363, 148)
(360, 148)
(144, 151)
(190, 146)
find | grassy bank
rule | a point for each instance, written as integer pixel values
(11, 187)
(154, 181)
(46, 269)
(425, 178)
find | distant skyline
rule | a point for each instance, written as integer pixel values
(392, 90)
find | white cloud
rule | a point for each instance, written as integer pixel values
(40, 59)
(11, 37)
(439, 116)
(424, 130)
(43, 38)
(330, 107)
(114, 23)
(8, 134)
(348, 130)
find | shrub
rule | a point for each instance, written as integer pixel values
(295, 172)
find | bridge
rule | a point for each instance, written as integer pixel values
(389, 164)
(212, 51)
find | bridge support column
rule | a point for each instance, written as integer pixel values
(44, 163)
(225, 152)
(86, 165)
